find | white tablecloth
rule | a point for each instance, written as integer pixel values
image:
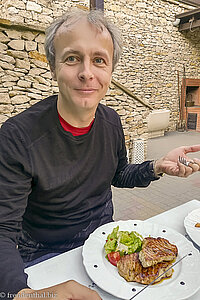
(69, 265)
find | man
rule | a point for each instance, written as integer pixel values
(60, 157)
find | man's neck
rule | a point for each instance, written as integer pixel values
(77, 118)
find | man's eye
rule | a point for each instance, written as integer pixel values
(71, 59)
(99, 60)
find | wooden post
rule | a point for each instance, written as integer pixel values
(97, 4)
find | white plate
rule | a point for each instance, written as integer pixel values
(194, 232)
(185, 280)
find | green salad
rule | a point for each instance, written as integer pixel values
(124, 242)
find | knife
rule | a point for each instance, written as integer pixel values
(152, 282)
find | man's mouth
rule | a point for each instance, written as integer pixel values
(87, 90)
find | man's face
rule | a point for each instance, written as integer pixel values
(83, 65)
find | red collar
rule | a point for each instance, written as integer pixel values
(75, 131)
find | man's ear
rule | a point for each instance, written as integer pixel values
(53, 73)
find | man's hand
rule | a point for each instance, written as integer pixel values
(170, 165)
(69, 290)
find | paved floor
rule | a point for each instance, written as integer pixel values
(164, 194)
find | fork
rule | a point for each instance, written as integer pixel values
(184, 161)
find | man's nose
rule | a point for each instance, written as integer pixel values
(85, 72)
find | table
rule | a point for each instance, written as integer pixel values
(54, 270)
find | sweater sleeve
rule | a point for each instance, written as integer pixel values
(135, 175)
(15, 185)
(131, 175)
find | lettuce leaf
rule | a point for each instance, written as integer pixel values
(123, 241)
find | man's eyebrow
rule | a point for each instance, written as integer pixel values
(101, 53)
(71, 51)
(96, 53)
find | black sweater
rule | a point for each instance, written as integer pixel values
(52, 183)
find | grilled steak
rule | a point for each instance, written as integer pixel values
(156, 250)
(131, 269)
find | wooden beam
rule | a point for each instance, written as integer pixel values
(97, 4)
(191, 2)
(188, 13)
(189, 25)
(128, 92)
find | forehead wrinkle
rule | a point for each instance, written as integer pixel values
(102, 31)
(68, 26)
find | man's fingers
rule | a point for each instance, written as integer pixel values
(195, 167)
(194, 148)
(81, 292)
(197, 162)
(184, 171)
(181, 171)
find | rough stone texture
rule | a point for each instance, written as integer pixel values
(5, 99)
(153, 54)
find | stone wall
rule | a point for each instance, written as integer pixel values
(154, 51)
(24, 73)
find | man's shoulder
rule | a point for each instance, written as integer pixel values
(108, 114)
(33, 120)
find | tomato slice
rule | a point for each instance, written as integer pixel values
(113, 258)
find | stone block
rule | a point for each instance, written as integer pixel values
(30, 46)
(18, 3)
(34, 96)
(16, 18)
(32, 6)
(21, 70)
(16, 92)
(28, 35)
(32, 102)
(55, 89)
(8, 78)
(40, 87)
(12, 10)
(45, 19)
(34, 91)
(7, 58)
(3, 90)
(14, 73)
(35, 71)
(40, 38)
(8, 84)
(3, 118)
(6, 66)
(21, 106)
(18, 88)
(41, 49)
(19, 109)
(41, 80)
(17, 54)
(47, 75)
(39, 64)
(38, 59)
(19, 99)
(16, 44)
(3, 47)
(4, 38)
(6, 108)
(4, 98)
(13, 34)
(24, 83)
(22, 64)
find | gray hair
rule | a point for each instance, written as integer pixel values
(94, 17)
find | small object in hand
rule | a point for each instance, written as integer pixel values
(197, 225)
(183, 161)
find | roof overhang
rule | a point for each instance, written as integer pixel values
(188, 20)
